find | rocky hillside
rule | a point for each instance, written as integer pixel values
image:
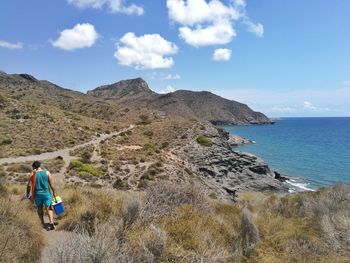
(40, 117)
(202, 105)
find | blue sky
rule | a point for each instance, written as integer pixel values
(284, 58)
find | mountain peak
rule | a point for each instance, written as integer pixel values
(123, 88)
(27, 77)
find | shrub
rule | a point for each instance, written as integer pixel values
(86, 157)
(119, 184)
(6, 141)
(84, 169)
(248, 236)
(154, 243)
(203, 140)
(144, 119)
(330, 208)
(148, 133)
(150, 147)
(36, 151)
(189, 227)
(130, 212)
(163, 197)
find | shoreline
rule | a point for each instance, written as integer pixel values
(294, 184)
(318, 170)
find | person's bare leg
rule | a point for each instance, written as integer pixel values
(49, 213)
(41, 214)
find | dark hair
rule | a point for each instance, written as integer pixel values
(36, 165)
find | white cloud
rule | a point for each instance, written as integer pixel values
(205, 23)
(170, 77)
(80, 36)
(193, 12)
(145, 52)
(257, 29)
(11, 46)
(222, 54)
(308, 105)
(220, 33)
(168, 89)
(113, 6)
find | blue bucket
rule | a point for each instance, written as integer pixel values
(57, 205)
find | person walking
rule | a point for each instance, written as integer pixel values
(39, 185)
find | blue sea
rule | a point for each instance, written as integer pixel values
(315, 152)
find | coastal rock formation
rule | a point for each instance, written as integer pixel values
(229, 169)
(236, 140)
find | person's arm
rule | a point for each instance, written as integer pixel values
(51, 183)
(29, 185)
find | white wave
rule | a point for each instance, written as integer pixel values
(303, 186)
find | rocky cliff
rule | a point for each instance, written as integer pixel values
(227, 169)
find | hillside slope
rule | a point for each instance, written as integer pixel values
(202, 105)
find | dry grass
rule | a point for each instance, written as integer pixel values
(21, 234)
(87, 207)
(164, 197)
(330, 208)
(176, 223)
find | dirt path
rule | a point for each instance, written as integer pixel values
(63, 152)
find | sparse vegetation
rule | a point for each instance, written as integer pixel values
(19, 168)
(84, 169)
(19, 228)
(177, 223)
(203, 140)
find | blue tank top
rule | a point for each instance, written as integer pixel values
(41, 183)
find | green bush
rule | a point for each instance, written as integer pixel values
(84, 169)
(119, 184)
(203, 140)
(6, 141)
(150, 147)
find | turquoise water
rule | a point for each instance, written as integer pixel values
(314, 151)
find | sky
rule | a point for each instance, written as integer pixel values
(284, 58)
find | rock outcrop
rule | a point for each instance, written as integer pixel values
(228, 169)
(128, 91)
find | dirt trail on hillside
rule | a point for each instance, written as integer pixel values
(64, 153)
